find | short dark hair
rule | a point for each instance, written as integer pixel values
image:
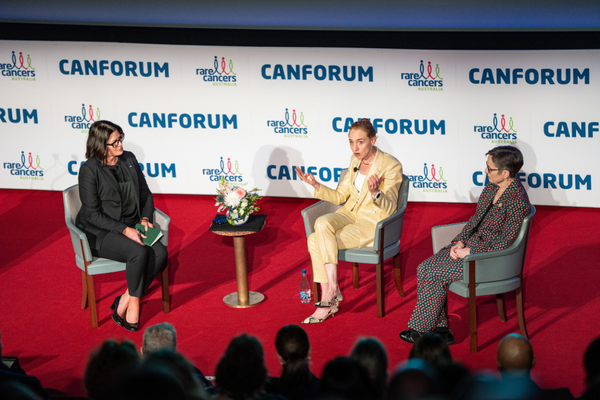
(106, 366)
(345, 378)
(431, 348)
(365, 125)
(159, 336)
(241, 372)
(507, 158)
(98, 136)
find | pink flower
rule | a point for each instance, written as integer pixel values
(240, 192)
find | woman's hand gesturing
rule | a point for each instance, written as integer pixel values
(308, 178)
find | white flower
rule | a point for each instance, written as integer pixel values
(232, 199)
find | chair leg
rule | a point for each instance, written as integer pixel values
(355, 276)
(166, 299)
(380, 290)
(398, 275)
(84, 298)
(521, 311)
(472, 309)
(501, 307)
(92, 301)
(316, 288)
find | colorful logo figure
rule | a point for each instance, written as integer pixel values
(86, 119)
(26, 169)
(231, 172)
(498, 134)
(432, 179)
(293, 128)
(429, 70)
(20, 67)
(222, 75)
(21, 62)
(425, 81)
(90, 113)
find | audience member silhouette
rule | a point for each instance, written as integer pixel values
(431, 348)
(14, 382)
(591, 363)
(371, 355)
(414, 380)
(241, 372)
(296, 380)
(173, 363)
(345, 378)
(164, 336)
(107, 366)
(515, 361)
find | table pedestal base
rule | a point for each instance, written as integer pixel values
(254, 298)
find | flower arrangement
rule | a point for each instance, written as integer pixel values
(238, 202)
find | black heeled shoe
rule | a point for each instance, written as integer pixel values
(410, 335)
(130, 327)
(115, 306)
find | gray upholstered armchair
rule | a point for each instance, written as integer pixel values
(489, 273)
(91, 266)
(386, 244)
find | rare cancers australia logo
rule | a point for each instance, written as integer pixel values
(290, 129)
(228, 170)
(432, 180)
(220, 75)
(429, 80)
(505, 133)
(85, 120)
(28, 169)
(20, 68)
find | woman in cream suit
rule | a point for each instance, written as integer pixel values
(370, 190)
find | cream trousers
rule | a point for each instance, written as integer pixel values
(333, 232)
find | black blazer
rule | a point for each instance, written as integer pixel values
(100, 196)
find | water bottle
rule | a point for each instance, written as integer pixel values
(305, 296)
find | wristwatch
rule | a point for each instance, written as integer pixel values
(375, 197)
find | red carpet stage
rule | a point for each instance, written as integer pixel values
(40, 290)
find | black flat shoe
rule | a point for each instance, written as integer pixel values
(115, 306)
(130, 327)
(446, 334)
(410, 335)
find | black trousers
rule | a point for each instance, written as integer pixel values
(143, 263)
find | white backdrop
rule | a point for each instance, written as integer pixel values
(262, 111)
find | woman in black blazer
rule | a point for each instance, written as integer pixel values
(114, 198)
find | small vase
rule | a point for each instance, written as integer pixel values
(238, 221)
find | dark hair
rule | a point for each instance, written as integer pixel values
(98, 136)
(241, 372)
(106, 366)
(159, 336)
(507, 158)
(176, 365)
(365, 125)
(370, 353)
(431, 348)
(293, 347)
(591, 362)
(345, 378)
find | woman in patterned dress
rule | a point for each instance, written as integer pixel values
(501, 208)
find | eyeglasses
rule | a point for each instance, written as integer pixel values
(115, 144)
(492, 169)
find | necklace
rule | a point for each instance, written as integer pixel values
(364, 162)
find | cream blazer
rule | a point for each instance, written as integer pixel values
(366, 211)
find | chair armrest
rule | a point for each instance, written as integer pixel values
(310, 214)
(162, 221)
(79, 240)
(442, 235)
(393, 229)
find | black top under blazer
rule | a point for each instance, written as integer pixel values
(100, 195)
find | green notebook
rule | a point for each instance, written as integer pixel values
(152, 234)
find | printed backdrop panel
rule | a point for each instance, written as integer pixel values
(195, 114)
